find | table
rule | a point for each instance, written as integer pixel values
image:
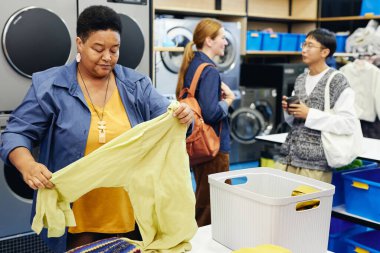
(203, 242)
(371, 152)
(371, 146)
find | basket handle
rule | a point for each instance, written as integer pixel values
(360, 250)
(360, 185)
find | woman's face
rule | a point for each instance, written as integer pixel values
(100, 52)
(219, 43)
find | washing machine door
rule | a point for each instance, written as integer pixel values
(16, 202)
(132, 47)
(246, 123)
(180, 37)
(35, 39)
(226, 62)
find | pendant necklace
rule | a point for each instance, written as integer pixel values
(101, 122)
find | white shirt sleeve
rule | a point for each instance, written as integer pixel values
(343, 119)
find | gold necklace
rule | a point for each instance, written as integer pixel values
(101, 123)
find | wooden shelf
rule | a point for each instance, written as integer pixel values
(250, 52)
(168, 49)
(348, 18)
(288, 19)
(202, 12)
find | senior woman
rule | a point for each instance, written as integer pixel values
(74, 109)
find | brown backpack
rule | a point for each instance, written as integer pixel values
(203, 144)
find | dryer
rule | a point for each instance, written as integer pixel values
(136, 18)
(253, 114)
(179, 32)
(36, 35)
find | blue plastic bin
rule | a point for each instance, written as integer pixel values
(339, 231)
(301, 39)
(341, 43)
(289, 42)
(362, 191)
(337, 180)
(254, 40)
(368, 241)
(370, 7)
(271, 41)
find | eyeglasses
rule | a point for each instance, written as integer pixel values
(309, 46)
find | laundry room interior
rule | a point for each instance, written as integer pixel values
(269, 82)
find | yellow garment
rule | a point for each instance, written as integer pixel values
(305, 189)
(151, 162)
(92, 211)
(267, 248)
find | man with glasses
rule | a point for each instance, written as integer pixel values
(302, 153)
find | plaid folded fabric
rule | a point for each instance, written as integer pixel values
(109, 245)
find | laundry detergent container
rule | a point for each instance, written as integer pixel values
(262, 210)
(361, 192)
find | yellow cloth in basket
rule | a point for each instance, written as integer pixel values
(267, 248)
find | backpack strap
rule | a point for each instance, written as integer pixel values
(197, 75)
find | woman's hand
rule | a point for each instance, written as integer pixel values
(227, 94)
(184, 114)
(299, 111)
(35, 174)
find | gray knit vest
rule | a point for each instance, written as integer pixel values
(303, 146)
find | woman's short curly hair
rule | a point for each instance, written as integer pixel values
(96, 18)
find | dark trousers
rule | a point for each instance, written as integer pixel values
(220, 163)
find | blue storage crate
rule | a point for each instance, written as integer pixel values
(362, 191)
(367, 241)
(341, 43)
(254, 40)
(337, 180)
(339, 231)
(289, 42)
(370, 7)
(271, 41)
(301, 39)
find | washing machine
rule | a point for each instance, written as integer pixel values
(253, 114)
(179, 32)
(36, 35)
(229, 64)
(136, 44)
(16, 204)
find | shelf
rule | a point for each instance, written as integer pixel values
(201, 12)
(272, 53)
(275, 19)
(348, 18)
(168, 49)
(341, 213)
(295, 53)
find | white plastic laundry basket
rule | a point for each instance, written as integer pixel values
(262, 211)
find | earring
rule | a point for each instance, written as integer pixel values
(78, 57)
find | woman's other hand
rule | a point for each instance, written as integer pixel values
(227, 94)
